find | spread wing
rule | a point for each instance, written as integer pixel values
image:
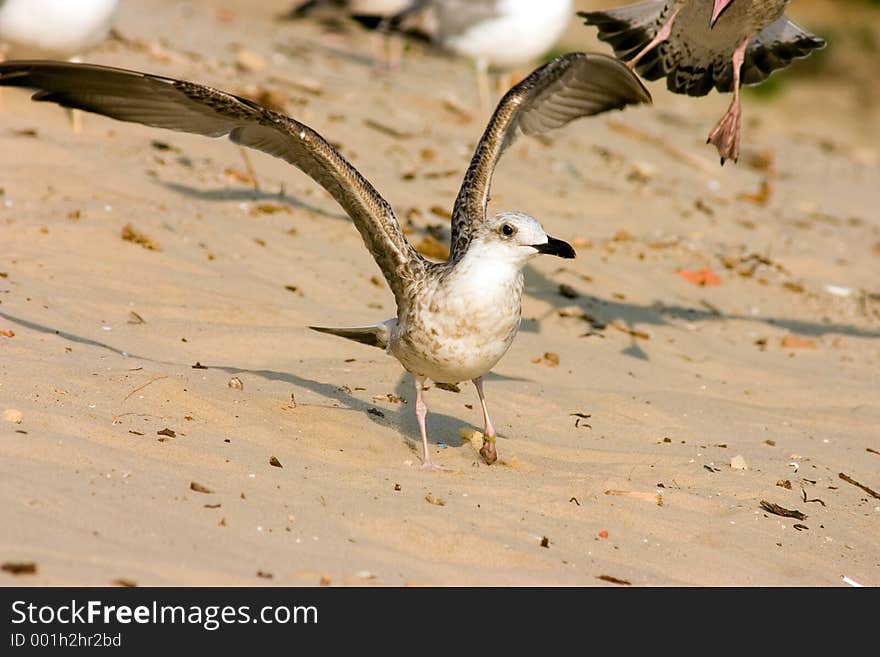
(567, 88)
(773, 48)
(629, 29)
(187, 107)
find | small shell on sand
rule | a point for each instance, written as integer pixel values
(472, 436)
(13, 415)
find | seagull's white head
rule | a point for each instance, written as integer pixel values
(515, 238)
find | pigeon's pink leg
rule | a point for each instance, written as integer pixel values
(421, 414)
(661, 36)
(725, 135)
(487, 451)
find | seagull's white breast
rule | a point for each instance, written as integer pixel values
(460, 327)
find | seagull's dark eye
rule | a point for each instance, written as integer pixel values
(507, 230)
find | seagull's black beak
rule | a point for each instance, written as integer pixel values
(717, 10)
(555, 247)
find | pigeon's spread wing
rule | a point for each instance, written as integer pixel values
(774, 48)
(177, 105)
(567, 88)
(629, 29)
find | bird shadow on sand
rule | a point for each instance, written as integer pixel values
(443, 429)
(249, 194)
(637, 319)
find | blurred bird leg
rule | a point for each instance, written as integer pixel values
(662, 34)
(481, 66)
(725, 135)
(246, 159)
(387, 49)
(394, 49)
(3, 52)
(75, 117)
(503, 83)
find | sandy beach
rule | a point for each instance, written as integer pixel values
(713, 351)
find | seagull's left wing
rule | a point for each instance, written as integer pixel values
(178, 105)
(568, 87)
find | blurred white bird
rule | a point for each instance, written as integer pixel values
(54, 28)
(495, 34)
(57, 28)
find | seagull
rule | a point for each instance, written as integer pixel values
(381, 17)
(455, 319)
(493, 34)
(367, 8)
(55, 28)
(698, 44)
(59, 28)
(498, 34)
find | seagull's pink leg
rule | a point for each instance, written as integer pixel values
(487, 451)
(421, 414)
(661, 36)
(725, 135)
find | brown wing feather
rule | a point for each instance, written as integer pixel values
(567, 88)
(774, 48)
(187, 107)
(630, 28)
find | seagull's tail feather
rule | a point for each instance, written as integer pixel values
(374, 335)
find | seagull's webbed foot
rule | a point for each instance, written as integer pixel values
(488, 451)
(725, 135)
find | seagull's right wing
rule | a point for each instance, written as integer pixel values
(187, 107)
(571, 86)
